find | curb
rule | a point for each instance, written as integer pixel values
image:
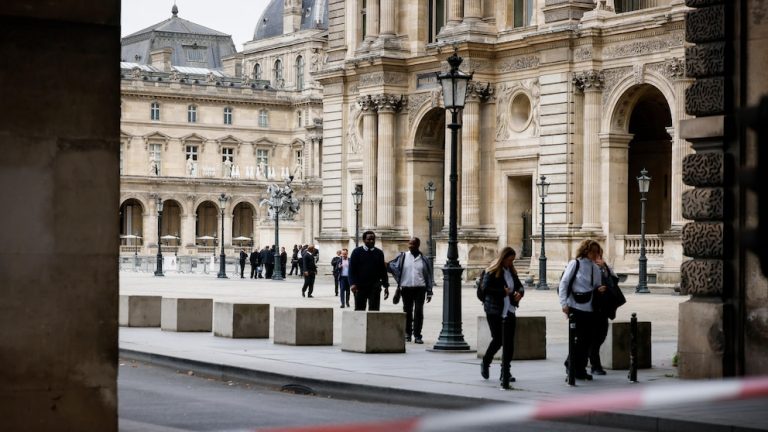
(369, 393)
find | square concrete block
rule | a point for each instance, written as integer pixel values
(530, 338)
(614, 353)
(186, 314)
(240, 320)
(139, 311)
(303, 326)
(701, 339)
(373, 332)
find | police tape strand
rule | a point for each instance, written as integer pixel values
(683, 393)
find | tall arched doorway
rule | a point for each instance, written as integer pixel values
(242, 224)
(131, 226)
(170, 226)
(425, 162)
(650, 148)
(206, 227)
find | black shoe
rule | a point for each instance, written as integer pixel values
(485, 370)
(342, 306)
(599, 371)
(408, 338)
(347, 304)
(302, 293)
(583, 376)
(337, 293)
(418, 341)
(310, 296)
(511, 378)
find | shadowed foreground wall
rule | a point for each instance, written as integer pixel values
(59, 128)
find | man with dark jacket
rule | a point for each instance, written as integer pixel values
(243, 257)
(254, 259)
(310, 270)
(263, 260)
(269, 262)
(368, 274)
(413, 274)
(335, 271)
(283, 262)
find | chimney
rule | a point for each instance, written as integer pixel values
(161, 59)
(291, 16)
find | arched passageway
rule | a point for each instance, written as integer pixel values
(207, 222)
(131, 225)
(426, 162)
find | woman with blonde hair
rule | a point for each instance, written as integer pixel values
(580, 279)
(503, 291)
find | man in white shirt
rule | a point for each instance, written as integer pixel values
(414, 277)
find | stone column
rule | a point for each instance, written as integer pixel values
(149, 229)
(308, 214)
(455, 12)
(187, 229)
(371, 20)
(387, 105)
(680, 147)
(473, 10)
(370, 146)
(470, 156)
(388, 14)
(308, 157)
(612, 193)
(227, 229)
(591, 83)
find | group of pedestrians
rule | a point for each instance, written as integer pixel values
(263, 262)
(589, 296)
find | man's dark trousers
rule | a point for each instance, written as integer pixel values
(414, 319)
(309, 283)
(370, 296)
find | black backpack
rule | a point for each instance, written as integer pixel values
(479, 287)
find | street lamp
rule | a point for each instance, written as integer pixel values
(222, 258)
(430, 190)
(277, 203)
(357, 198)
(454, 84)
(644, 183)
(543, 187)
(159, 267)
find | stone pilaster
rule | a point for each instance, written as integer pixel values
(188, 220)
(455, 12)
(680, 147)
(612, 197)
(473, 10)
(591, 83)
(371, 21)
(470, 155)
(388, 15)
(386, 105)
(370, 145)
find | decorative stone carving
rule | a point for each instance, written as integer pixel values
(582, 53)
(705, 25)
(701, 278)
(415, 102)
(479, 90)
(637, 71)
(675, 68)
(505, 94)
(589, 80)
(381, 78)
(611, 78)
(354, 140)
(519, 63)
(703, 204)
(703, 240)
(703, 169)
(366, 104)
(475, 65)
(705, 97)
(388, 102)
(705, 60)
(643, 47)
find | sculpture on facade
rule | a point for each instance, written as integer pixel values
(154, 168)
(281, 200)
(190, 167)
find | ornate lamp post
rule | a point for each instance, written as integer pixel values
(159, 267)
(276, 204)
(454, 84)
(430, 190)
(543, 187)
(222, 258)
(357, 198)
(644, 183)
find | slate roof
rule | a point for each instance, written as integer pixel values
(270, 24)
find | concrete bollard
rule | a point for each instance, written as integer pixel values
(186, 314)
(373, 332)
(139, 311)
(303, 326)
(530, 338)
(614, 353)
(240, 320)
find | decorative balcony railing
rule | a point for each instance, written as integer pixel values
(654, 245)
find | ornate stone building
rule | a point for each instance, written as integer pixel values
(194, 126)
(584, 93)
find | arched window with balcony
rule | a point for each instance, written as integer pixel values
(257, 71)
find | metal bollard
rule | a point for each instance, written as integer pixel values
(571, 379)
(504, 373)
(633, 348)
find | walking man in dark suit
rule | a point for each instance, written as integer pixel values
(254, 259)
(243, 257)
(310, 270)
(368, 274)
(269, 262)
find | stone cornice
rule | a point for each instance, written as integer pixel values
(226, 99)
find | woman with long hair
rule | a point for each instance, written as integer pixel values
(577, 286)
(503, 291)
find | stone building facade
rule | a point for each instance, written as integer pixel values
(194, 126)
(584, 93)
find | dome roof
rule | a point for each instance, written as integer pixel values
(270, 24)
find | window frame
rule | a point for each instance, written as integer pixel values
(154, 111)
(263, 118)
(228, 115)
(277, 73)
(191, 113)
(300, 73)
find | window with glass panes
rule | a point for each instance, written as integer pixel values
(191, 153)
(277, 73)
(437, 18)
(155, 154)
(228, 154)
(522, 12)
(263, 118)
(192, 114)
(298, 118)
(299, 159)
(227, 116)
(154, 111)
(257, 71)
(299, 73)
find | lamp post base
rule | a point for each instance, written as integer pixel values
(642, 289)
(451, 337)
(222, 268)
(542, 286)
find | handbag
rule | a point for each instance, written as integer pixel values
(398, 293)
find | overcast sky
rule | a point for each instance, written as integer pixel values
(235, 17)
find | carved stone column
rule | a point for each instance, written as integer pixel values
(473, 10)
(371, 21)
(388, 14)
(188, 220)
(386, 105)
(455, 12)
(470, 155)
(611, 198)
(680, 147)
(591, 83)
(370, 146)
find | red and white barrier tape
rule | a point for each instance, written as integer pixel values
(683, 393)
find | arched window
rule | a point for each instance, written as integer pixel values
(299, 73)
(154, 111)
(227, 115)
(192, 114)
(263, 118)
(277, 74)
(257, 72)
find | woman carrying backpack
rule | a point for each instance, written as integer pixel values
(503, 291)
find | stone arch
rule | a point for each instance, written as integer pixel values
(430, 130)
(426, 109)
(207, 214)
(171, 221)
(132, 211)
(624, 96)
